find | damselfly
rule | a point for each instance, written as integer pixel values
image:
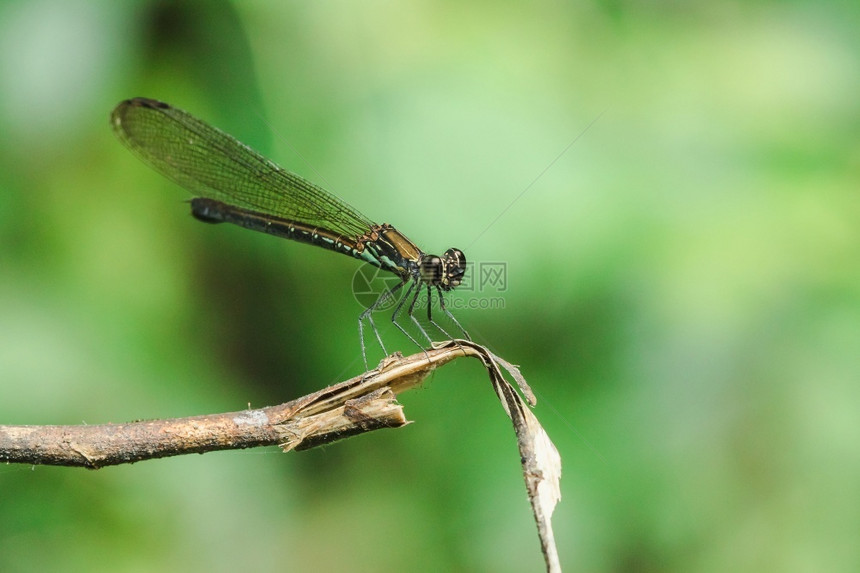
(232, 183)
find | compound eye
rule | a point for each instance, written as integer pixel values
(455, 268)
(455, 257)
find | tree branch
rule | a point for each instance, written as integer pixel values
(361, 404)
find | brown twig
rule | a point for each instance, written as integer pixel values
(362, 404)
(358, 405)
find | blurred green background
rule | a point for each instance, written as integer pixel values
(683, 283)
